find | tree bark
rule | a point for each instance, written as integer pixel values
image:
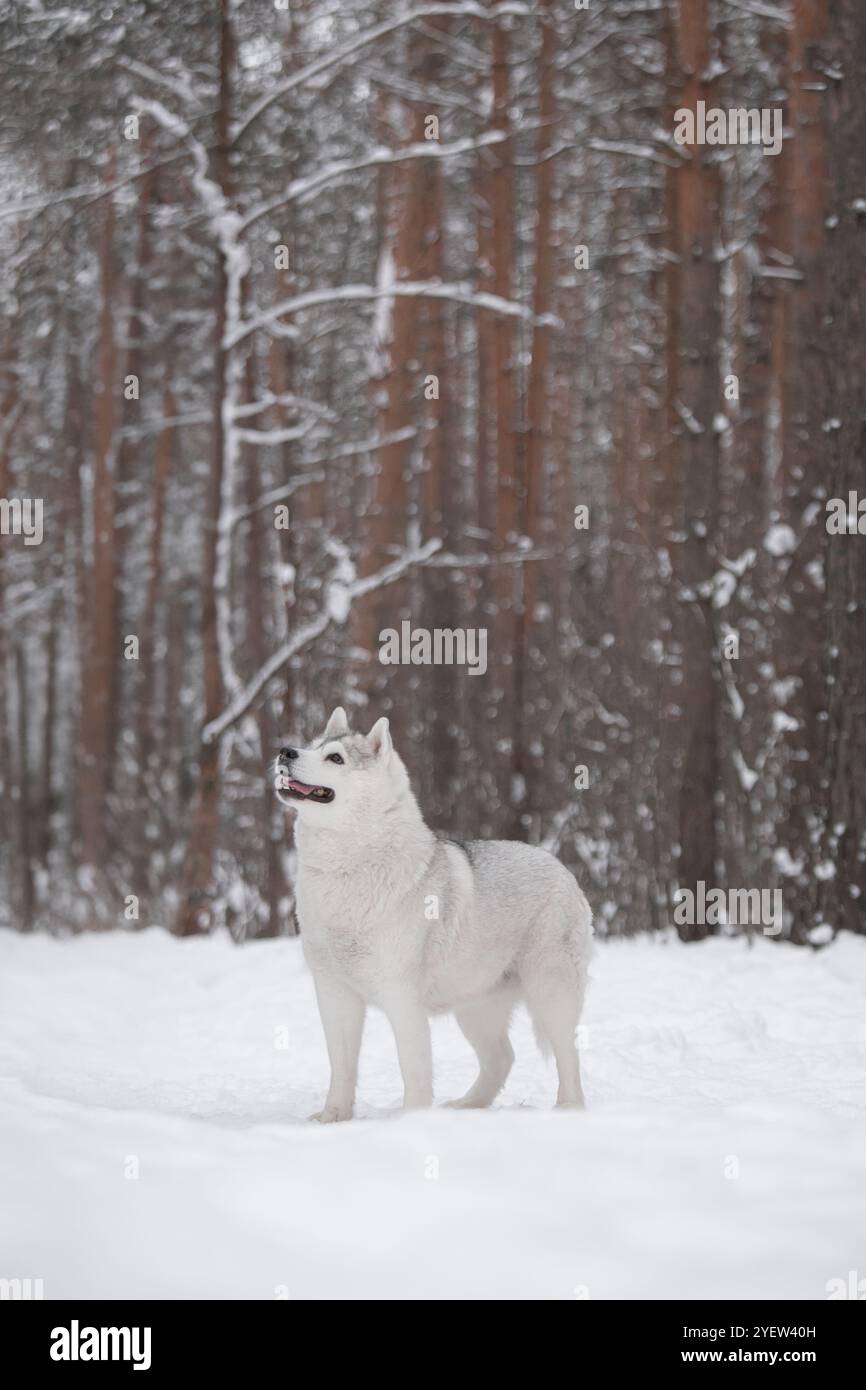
(197, 913)
(687, 500)
(100, 664)
(536, 677)
(498, 453)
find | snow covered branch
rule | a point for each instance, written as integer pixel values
(515, 557)
(183, 89)
(164, 422)
(287, 398)
(553, 838)
(301, 189)
(340, 596)
(635, 149)
(264, 438)
(277, 494)
(339, 55)
(762, 11)
(457, 293)
(364, 446)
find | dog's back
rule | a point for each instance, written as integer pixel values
(513, 919)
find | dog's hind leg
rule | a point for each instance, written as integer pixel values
(555, 1006)
(484, 1023)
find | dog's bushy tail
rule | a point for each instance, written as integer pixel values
(542, 1041)
(554, 973)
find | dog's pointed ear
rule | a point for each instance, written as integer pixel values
(379, 738)
(338, 724)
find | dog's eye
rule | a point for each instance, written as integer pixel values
(334, 758)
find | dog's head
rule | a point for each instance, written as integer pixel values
(343, 775)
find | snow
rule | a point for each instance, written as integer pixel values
(386, 276)
(780, 540)
(747, 775)
(786, 863)
(721, 1154)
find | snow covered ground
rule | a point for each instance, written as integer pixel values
(722, 1154)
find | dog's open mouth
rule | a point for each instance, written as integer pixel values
(300, 791)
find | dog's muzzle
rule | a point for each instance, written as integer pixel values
(292, 787)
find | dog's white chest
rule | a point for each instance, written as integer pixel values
(345, 931)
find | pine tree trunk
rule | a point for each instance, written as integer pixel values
(822, 640)
(100, 658)
(537, 673)
(197, 909)
(25, 847)
(499, 489)
(129, 448)
(687, 498)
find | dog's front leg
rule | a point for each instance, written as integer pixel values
(342, 1014)
(412, 1033)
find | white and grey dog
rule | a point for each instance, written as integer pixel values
(393, 915)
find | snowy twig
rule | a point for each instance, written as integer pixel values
(637, 151)
(184, 90)
(277, 494)
(553, 837)
(341, 596)
(166, 422)
(778, 272)
(265, 438)
(514, 557)
(301, 189)
(287, 398)
(364, 446)
(93, 194)
(761, 11)
(430, 289)
(335, 56)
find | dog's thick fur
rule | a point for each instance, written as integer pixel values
(395, 916)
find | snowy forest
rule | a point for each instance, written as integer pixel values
(319, 318)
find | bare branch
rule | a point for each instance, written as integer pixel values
(430, 289)
(288, 398)
(337, 608)
(362, 40)
(277, 494)
(301, 189)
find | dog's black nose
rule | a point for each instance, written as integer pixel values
(288, 754)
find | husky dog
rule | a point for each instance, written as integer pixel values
(393, 915)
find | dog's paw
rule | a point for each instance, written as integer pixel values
(331, 1115)
(471, 1101)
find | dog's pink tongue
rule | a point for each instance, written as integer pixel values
(296, 786)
